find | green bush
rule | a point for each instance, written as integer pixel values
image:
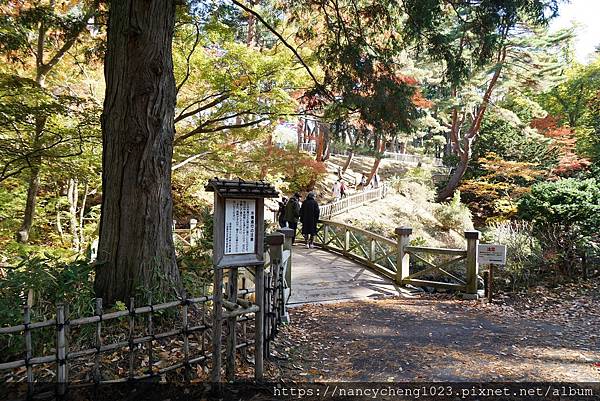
(567, 202)
(567, 217)
(48, 281)
(454, 215)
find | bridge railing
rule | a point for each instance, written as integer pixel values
(410, 158)
(397, 260)
(350, 202)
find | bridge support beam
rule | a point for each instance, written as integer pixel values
(403, 262)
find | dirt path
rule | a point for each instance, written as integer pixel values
(440, 339)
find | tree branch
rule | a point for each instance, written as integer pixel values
(285, 43)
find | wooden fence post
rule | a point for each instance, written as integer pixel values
(193, 226)
(131, 319)
(97, 374)
(472, 264)
(325, 235)
(28, 347)
(403, 261)
(346, 239)
(217, 322)
(232, 291)
(259, 286)
(61, 360)
(287, 246)
(275, 242)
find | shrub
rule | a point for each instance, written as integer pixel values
(567, 214)
(454, 215)
(524, 253)
(568, 202)
(49, 281)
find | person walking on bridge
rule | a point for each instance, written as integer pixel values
(292, 213)
(309, 216)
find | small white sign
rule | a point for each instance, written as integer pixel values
(492, 254)
(240, 226)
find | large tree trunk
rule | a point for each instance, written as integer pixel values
(136, 248)
(350, 153)
(348, 160)
(458, 174)
(34, 183)
(464, 151)
(320, 143)
(380, 146)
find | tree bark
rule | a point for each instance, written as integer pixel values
(136, 248)
(350, 154)
(458, 174)
(464, 152)
(73, 198)
(380, 148)
(29, 214)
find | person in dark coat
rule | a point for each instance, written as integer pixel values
(292, 213)
(309, 216)
(281, 212)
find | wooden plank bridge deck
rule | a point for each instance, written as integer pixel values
(319, 276)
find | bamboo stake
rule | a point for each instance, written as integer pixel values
(217, 329)
(131, 334)
(97, 375)
(28, 347)
(259, 323)
(67, 331)
(231, 321)
(61, 376)
(151, 334)
(186, 345)
(244, 351)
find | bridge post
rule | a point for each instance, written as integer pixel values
(287, 246)
(403, 262)
(472, 264)
(193, 227)
(275, 293)
(325, 235)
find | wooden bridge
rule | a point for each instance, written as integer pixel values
(349, 263)
(354, 263)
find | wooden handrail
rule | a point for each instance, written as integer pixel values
(367, 233)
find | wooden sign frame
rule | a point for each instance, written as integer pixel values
(237, 189)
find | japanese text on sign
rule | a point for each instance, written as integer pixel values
(492, 254)
(240, 226)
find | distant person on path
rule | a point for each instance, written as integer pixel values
(376, 180)
(281, 211)
(363, 182)
(292, 213)
(337, 190)
(343, 189)
(339, 173)
(309, 216)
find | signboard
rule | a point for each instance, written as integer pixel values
(240, 226)
(492, 254)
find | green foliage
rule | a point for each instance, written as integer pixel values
(49, 280)
(454, 215)
(481, 28)
(567, 217)
(509, 137)
(567, 202)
